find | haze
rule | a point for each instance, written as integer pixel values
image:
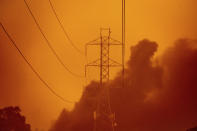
(158, 20)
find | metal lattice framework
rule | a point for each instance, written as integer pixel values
(104, 118)
(104, 57)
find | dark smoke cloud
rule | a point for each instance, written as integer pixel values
(160, 94)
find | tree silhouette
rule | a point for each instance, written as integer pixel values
(12, 120)
(192, 129)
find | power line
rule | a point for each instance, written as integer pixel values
(32, 68)
(62, 27)
(49, 44)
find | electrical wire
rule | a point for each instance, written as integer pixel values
(33, 69)
(49, 44)
(62, 27)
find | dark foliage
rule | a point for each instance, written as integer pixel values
(192, 129)
(12, 120)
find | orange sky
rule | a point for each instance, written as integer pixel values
(158, 20)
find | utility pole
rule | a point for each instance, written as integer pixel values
(103, 116)
(123, 39)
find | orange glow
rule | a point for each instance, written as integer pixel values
(158, 20)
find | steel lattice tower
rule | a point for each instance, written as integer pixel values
(103, 116)
(104, 56)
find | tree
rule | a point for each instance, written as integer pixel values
(192, 129)
(12, 120)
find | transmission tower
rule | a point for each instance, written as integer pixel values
(103, 116)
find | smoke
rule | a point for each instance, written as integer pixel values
(160, 92)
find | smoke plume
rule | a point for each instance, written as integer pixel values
(159, 94)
